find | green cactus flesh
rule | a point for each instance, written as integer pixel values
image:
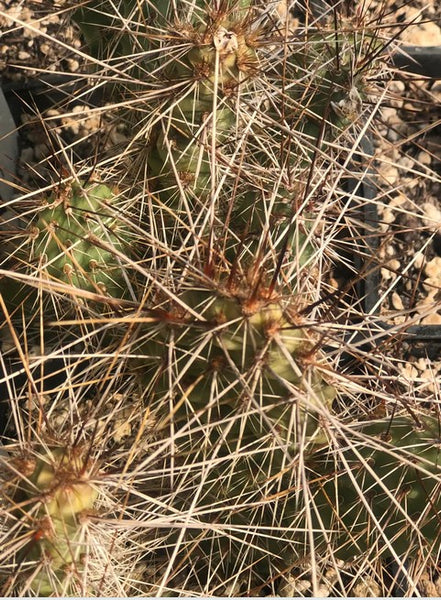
(201, 118)
(380, 492)
(244, 330)
(74, 240)
(52, 499)
(231, 132)
(332, 69)
(243, 388)
(103, 34)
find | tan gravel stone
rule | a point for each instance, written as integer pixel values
(397, 303)
(434, 319)
(425, 34)
(433, 269)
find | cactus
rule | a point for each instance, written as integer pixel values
(72, 502)
(75, 240)
(378, 493)
(242, 134)
(236, 137)
(50, 489)
(238, 383)
(216, 98)
(220, 55)
(223, 101)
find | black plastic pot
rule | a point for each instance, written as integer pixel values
(419, 60)
(8, 149)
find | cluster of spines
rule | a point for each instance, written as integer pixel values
(379, 494)
(73, 245)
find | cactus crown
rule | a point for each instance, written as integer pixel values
(50, 490)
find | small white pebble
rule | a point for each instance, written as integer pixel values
(385, 274)
(23, 55)
(72, 64)
(427, 374)
(424, 158)
(431, 214)
(433, 269)
(390, 270)
(292, 587)
(397, 86)
(425, 34)
(432, 381)
(367, 587)
(418, 260)
(322, 591)
(45, 48)
(389, 174)
(406, 163)
(421, 364)
(388, 216)
(433, 319)
(394, 264)
(409, 371)
(80, 109)
(397, 303)
(429, 300)
(398, 200)
(409, 106)
(399, 320)
(390, 115)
